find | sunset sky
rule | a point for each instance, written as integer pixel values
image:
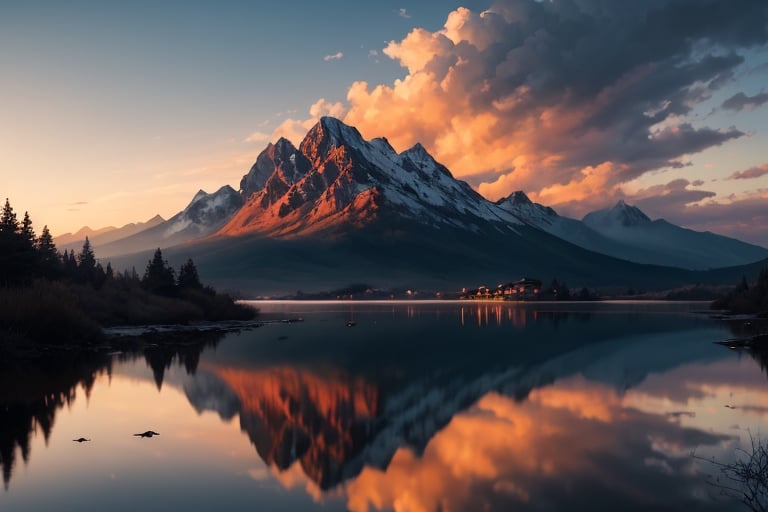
(113, 112)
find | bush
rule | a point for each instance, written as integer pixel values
(45, 313)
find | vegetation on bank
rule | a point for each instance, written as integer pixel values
(54, 298)
(746, 298)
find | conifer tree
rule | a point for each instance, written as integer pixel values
(159, 276)
(8, 223)
(86, 264)
(47, 256)
(188, 276)
(16, 263)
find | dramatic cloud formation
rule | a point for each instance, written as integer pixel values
(567, 100)
(751, 173)
(335, 56)
(741, 101)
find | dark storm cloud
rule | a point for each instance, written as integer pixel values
(741, 101)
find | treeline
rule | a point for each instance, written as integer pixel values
(746, 298)
(50, 296)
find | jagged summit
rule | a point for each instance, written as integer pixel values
(281, 159)
(337, 179)
(620, 214)
(526, 210)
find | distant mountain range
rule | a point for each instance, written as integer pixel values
(625, 232)
(204, 215)
(341, 209)
(103, 236)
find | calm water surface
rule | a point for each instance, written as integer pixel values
(418, 406)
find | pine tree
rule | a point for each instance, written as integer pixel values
(8, 222)
(188, 276)
(16, 262)
(47, 256)
(159, 276)
(86, 264)
(27, 231)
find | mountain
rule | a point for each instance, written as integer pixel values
(336, 180)
(668, 244)
(339, 209)
(99, 237)
(625, 232)
(78, 237)
(204, 214)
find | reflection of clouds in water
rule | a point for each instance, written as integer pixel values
(295, 477)
(576, 444)
(258, 474)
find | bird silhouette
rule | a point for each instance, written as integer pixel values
(148, 433)
(80, 440)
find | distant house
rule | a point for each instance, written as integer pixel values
(523, 289)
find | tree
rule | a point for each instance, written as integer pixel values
(8, 223)
(159, 277)
(86, 264)
(16, 254)
(746, 478)
(47, 256)
(188, 276)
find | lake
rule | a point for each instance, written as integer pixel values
(409, 406)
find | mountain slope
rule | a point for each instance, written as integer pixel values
(205, 214)
(339, 210)
(625, 232)
(671, 244)
(336, 180)
(104, 236)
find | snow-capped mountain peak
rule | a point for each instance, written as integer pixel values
(527, 211)
(621, 215)
(349, 180)
(205, 212)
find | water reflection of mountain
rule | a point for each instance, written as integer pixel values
(33, 391)
(335, 418)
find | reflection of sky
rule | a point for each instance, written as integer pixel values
(576, 443)
(198, 462)
(612, 426)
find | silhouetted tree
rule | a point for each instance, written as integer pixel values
(86, 264)
(99, 276)
(746, 299)
(159, 276)
(188, 276)
(16, 252)
(49, 261)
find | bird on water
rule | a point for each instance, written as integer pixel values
(148, 433)
(81, 440)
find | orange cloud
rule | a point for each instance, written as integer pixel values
(509, 99)
(295, 129)
(503, 453)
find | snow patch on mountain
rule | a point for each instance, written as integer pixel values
(351, 180)
(206, 212)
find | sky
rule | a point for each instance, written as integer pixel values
(113, 112)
